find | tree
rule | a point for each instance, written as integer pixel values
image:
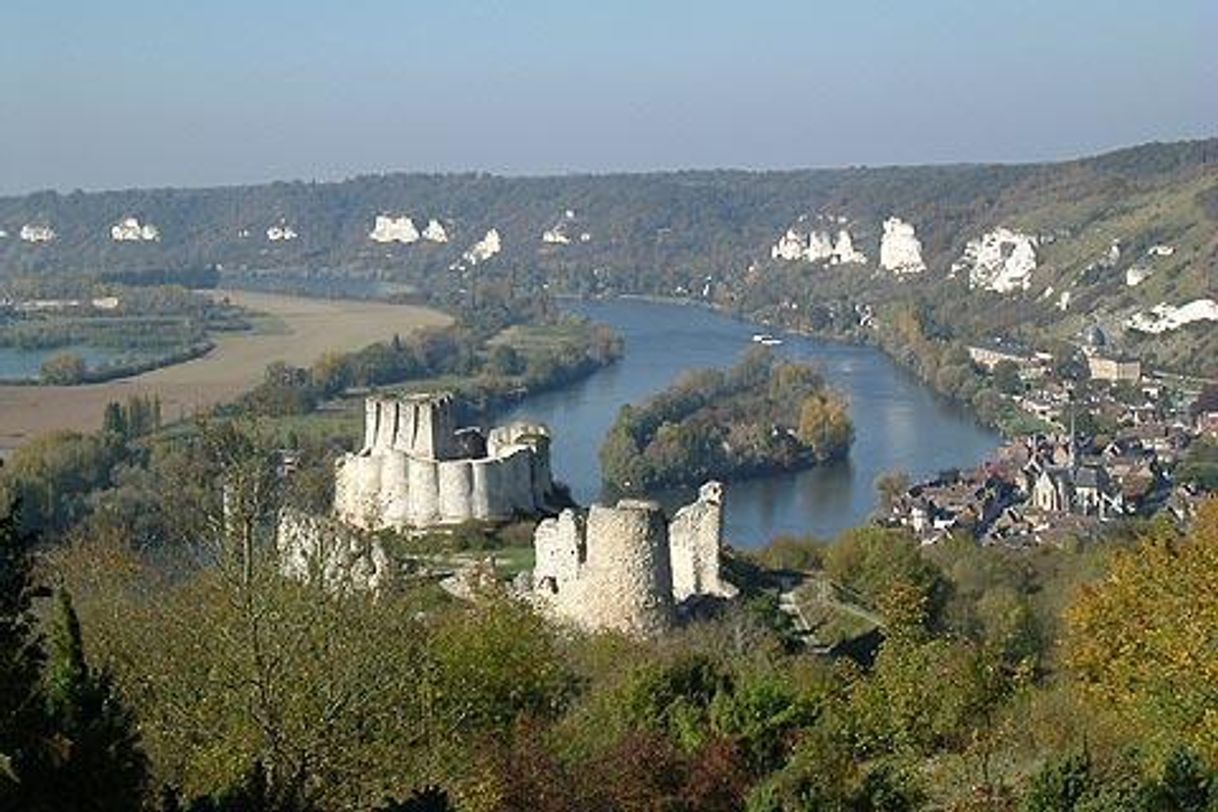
(891, 486)
(1006, 378)
(1143, 642)
(64, 369)
(504, 361)
(824, 425)
(21, 658)
(99, 764)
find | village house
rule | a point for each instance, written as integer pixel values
(1114, 369)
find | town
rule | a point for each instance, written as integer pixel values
(1113, 442)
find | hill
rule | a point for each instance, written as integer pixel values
(714, 234)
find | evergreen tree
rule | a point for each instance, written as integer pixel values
(98, 763)
(21, 658)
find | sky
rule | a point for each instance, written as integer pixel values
(144, 93)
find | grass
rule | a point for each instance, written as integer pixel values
(292, 329)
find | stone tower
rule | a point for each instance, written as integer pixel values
(625, 568)
(628, 586)
(422, 425)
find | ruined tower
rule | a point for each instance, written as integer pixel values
(624, 567)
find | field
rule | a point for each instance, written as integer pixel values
(294, 329)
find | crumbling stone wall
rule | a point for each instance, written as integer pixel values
(315, 547)
(625, 568)
(696, 538)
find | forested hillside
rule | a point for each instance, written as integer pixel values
(705, 233)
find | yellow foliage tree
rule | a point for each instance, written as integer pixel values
(1143, 641)
(824, 424)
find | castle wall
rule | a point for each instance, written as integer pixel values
(695, 538)
(625, 568)
(480, 495)
(610, 572)
(315, 548)
(455, 482)
(559, 551)
(423, 484)
(393, 502)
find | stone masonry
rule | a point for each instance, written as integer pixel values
(417, 470)
(626, 568)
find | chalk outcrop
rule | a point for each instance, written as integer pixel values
(485, 248)
(36, 233)
(558, 234)
(1165, 318)
(817, 246)
(900, 248)
(129, 229)
(1001, 260)
(393, 229)
(417, 470)
(1136, 275)
(790, 246)
(625, 568)
(435, 231)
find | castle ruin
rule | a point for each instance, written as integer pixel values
(623, 568)
(626, 568)
(416, 469)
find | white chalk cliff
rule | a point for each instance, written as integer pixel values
(485, 248)
(129, 229)
(1164, 318)
(393, 229)
(790, 246)
(900, 248)
(557, 234)
(844, 250)
(435, 231)
(1136, 275)
(1001, 260)
(816, 246)
(33, 233)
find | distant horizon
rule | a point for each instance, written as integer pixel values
(190, 95)
(575, 173)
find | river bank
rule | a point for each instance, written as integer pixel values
(900, 423)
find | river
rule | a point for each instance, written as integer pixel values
(899, 423)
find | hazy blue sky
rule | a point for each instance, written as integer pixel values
(199, 92)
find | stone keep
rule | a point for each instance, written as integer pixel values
(416, 470)
(625, 568)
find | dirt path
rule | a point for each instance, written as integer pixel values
(311, 327)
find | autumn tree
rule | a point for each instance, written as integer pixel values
(1143, 641)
